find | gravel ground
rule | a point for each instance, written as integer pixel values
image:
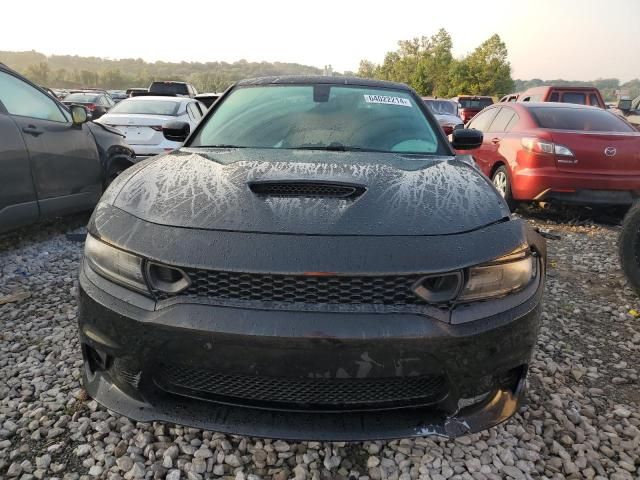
(581, 419)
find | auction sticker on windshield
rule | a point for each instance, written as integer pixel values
(387, 100)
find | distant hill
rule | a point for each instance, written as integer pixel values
(74, 71)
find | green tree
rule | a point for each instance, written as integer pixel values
(489, 68)
(427, 65)
(367, 69)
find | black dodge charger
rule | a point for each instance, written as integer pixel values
(314, 263)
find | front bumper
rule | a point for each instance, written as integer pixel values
(128, 343)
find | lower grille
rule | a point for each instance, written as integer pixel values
(126, 372)
(302, 393)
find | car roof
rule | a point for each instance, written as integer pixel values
(474, 96)
(543, 88)
(547, 105)
(319, 79)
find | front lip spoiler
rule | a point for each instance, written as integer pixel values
(359, 426)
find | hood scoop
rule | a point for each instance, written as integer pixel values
(306, 188)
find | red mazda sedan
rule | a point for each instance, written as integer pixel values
(558, 152)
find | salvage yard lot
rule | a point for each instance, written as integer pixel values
(581, 418)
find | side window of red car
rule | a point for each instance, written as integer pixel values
(501, 120)
(554, 97)
(483, 119)
(512, 123)
(593, 100)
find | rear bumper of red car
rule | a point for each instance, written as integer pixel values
(546, 184)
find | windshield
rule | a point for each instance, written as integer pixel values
(442, 107)
(147, 107)
(579, 119)
(333, 117)
(81, 97)
(475, 102)
(170, 88)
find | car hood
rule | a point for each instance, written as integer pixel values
(396, 194)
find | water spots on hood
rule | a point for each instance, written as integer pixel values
(403, 196)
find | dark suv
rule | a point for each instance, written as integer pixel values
(173, 88)
(53, 161)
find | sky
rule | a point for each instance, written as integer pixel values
(547, 39)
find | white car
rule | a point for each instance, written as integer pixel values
(141, 120)
(446, 112)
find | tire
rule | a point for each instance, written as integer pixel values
(629, 246)
(500, 179)
(113, 173)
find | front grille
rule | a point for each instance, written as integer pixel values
(306, 189)
(350, 290)
(302, 393)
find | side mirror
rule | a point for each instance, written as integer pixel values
(79, 114)
(624, 105)
(176, 131)
(466, 138)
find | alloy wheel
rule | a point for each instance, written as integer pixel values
(500, 182)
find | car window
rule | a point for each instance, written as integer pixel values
(512, 123)
(193, 112)
(475, 102)
(169, 88)
(441, 107)
(574, 97)
(321, 116)
(501, 120)
(554, 97)
(82, 97)
(483, 119)
(149, 107)
(593, 100)
(579, 119)
(20, 98)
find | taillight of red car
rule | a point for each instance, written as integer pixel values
(90, 106)
(538, 145)
(542, 149)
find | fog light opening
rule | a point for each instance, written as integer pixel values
(96, 361)
(167, 279)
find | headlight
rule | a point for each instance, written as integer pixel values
(115, 264)
(506, 275)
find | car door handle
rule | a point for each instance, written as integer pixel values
(32, 130)
(495, 141)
